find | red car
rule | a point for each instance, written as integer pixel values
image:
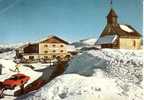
(15, 80)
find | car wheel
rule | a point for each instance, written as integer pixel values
(22, 82)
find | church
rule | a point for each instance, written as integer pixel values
(118, 36)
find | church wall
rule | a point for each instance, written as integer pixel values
(130, 43)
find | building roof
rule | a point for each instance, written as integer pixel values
(53, 39)
(31, 48)
(126, 28)
(108, 39)
(120, 30)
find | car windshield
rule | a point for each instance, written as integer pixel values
(13, 78)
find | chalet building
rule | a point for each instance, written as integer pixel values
(117, 36)
(47, 49)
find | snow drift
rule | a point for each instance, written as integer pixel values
(97, 75)
(126, 64)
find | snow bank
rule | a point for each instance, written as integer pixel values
(76, 87)
(96, 75)
(125, 64)
(8, 55)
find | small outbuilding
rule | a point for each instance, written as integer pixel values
(119, 36)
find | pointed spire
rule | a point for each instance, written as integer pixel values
(112, 13)
(112, 17)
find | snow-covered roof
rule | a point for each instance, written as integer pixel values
(109, 39)
(126, 28)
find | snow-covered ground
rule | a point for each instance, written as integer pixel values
(6, 59)
(8, 71)
(97, 75)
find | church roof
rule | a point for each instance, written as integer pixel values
(108, 39)
(121, 30)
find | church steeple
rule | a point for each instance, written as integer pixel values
(112, 17)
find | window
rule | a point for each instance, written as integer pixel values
(61, 45)
(46, 51)
(31, 57)
(45, 45)
(54, 50)
(45, 57)
(61, 51)
(53, 45)
(134, 43)
(54, 56)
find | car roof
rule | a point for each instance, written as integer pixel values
(19, 74)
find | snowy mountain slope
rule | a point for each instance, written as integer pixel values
(14, 45)
(85, 42)
(96, 75)
(89, 41)
(9, 47)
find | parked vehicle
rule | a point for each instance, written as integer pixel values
(15, 80)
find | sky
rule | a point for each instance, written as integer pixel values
(72, 20)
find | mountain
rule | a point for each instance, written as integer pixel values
(10, 47)
(85, 42)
